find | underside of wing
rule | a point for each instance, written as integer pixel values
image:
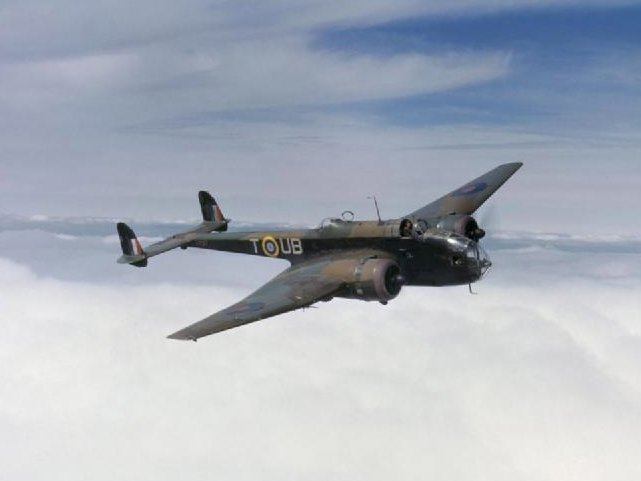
(299, 286)
(469, 197)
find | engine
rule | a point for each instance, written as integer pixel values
(464, 225)
(372, 279)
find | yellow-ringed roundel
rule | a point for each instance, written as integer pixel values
(270, 246)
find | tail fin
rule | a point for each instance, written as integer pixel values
(132, 252)
(211, 211)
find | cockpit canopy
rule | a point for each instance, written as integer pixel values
(413, 228)
(333, 223)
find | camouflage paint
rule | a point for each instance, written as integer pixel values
(367, 260)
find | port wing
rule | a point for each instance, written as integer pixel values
(299, 286)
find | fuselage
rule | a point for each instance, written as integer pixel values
(429, 257)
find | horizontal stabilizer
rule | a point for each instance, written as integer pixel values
(134, 254)
(138, 261)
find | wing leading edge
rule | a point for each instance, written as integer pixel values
(469, 197)
(299, 286)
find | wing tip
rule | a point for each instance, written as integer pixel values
(511, 165)
(516, 165)
(182, 336)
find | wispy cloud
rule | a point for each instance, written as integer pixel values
(73, 29)
(133, 87)
(313, 91)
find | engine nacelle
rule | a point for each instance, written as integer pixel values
(372, 279)
(464, 225)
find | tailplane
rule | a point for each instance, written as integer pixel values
(134, 254)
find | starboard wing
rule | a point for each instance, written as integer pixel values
(299, 286)
(469, 197)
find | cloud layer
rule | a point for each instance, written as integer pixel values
(537, 377)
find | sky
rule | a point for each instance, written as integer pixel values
(289, 112)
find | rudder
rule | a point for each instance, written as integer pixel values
(211, 210)
(131, 249)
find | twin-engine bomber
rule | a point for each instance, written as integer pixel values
(436, 245)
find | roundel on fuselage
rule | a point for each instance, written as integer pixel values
(270, 246)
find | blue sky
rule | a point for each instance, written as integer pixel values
(579, 31)
(557, 59)
(384, 93)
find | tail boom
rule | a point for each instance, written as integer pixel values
(133, 252)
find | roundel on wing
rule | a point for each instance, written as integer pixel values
(270, 247)
(245, 308)
(470, 189)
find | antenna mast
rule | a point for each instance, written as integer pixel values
(378, 214)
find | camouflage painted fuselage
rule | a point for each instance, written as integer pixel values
(431, 258)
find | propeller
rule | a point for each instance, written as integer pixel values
(474, 232)
(488, 219)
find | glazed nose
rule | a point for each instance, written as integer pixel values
(484, 261)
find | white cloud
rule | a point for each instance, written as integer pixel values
(169, 81)
(537, 377)
(71, 27)
(293, 75)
